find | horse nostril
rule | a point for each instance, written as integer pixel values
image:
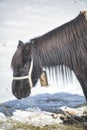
(17, 95)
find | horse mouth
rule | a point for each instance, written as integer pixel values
(21, 94)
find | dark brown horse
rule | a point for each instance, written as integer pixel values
(63, 46)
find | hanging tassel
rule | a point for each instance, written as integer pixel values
(43, 79)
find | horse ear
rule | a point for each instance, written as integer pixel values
(20, 44)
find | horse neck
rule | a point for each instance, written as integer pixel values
(57, 46)
(48, 53)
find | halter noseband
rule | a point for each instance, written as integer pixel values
(28, 76)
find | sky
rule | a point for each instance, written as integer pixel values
(25, 19)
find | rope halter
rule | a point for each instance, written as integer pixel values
(28, 76)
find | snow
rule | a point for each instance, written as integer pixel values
(44, 118)
(25, 20)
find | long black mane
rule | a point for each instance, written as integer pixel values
(65, 45)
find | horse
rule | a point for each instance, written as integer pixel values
(65, 45)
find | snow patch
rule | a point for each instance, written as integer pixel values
(35, 117)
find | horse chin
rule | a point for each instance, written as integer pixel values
(21, 94)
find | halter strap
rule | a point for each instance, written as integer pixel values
(28, 76)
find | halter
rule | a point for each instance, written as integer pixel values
(28, 76)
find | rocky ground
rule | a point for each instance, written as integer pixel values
(35, 119)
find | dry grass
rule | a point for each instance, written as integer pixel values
(14, 125)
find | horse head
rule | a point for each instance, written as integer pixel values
(27, 69)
